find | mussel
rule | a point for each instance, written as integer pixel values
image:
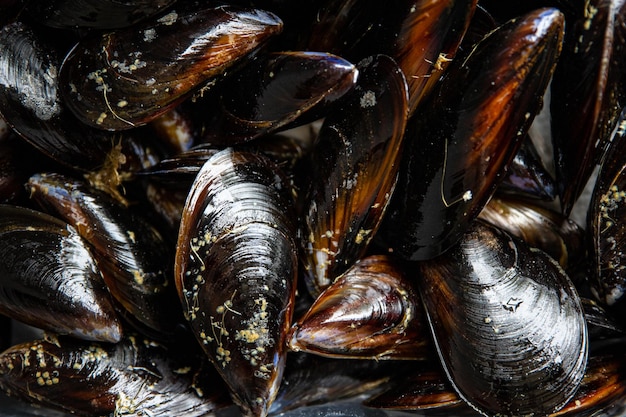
(373, 311)
(606, 224)
(235, 272)
(507, 322)
(50, 279)
(458, 146)
(123, 79)
(134, 257)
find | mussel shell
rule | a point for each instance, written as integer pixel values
(135, 377)
(134, 257)
(49, 278)
(371, 311)
(507, 322)
(30, 102)
(236, 269)
(129, 77)
(275, 90)
(457, 148)
(96, 14)
(587, 93)
(353, 171)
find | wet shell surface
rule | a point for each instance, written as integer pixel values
(133, 255)
(372, 311)
(49, 278)
(507, 322)
(235, 272)
(129, 77)
(456, 149)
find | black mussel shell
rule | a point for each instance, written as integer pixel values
(31, 103)
(587, 93)
(457, 148)
(606, 223)
(539, 227)
(422, 36)
(273, 91)
(135, 377)
(95, 14)
(134, 257)
(50, 280)
(353, 171)
(236, 265)
(129, 77)
(371, 311)
(507, 322)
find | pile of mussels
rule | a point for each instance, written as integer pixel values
(271, 204)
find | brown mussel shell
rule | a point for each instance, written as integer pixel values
(135, 377)
(457, 148)
(132, 254)
(129, 77)
(236, 269)
(527, 177)
(371, 311)
(353, 170)
(587, 93)
(507, 322)
(31, 103)
(49, 279)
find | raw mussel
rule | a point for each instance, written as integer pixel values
(122, 79)
(274, 91)
(135, 377)
(49, 278)
(508, 324)
(31, 102)
(458, 146)
(135, 259)
(352, 172)
(373, 311)
(235, 270)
